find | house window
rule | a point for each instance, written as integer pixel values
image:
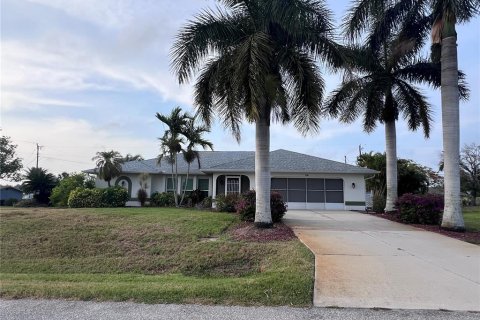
(170, 185)
(189, 184)
(203, 186)
(232, 185)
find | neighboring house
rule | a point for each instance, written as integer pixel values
(8, 192)
(304, 181)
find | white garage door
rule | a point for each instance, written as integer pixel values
(310, 193)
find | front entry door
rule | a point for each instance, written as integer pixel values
(232, 185)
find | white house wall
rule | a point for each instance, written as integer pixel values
(354, 198)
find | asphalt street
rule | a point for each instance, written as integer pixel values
(27, 309)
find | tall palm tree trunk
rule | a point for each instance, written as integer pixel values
(185, 186)
(452, 213)
(263, 218)
(391, 155)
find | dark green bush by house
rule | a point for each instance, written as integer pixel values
(97, 198)
(245, 206)
(60, 194)
(420, 209)
(114, 197)
(9, 202)
(163, 199)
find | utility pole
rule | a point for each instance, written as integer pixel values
(360, 149)
(345, 159)
(38, 152)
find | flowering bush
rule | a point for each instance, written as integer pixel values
(420, 209)
(227, 203)
(245, 206)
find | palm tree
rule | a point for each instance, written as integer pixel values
(441, 16)
(39, 182)
(172, 140)
(170, 147)
(109, 164)
(379, 88)
(193, 135)
(130, 157)
(446, 13)
(257, 63)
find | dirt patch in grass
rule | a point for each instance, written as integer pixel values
(468, 236)
(246, 231)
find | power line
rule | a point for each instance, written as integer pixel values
(54, 158)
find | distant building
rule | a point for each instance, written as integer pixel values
(9, 192)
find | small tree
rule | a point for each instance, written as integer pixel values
(470, 167)
(193, 135)
(39, 182)
(10, 164)
(109, 165)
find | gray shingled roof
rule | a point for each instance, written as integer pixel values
(244, 161)
(289, 161)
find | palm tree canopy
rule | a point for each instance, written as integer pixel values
(130, 157)
(380, 76)
(258, 61)
(39, 182)
(109, 164)
(175, 121)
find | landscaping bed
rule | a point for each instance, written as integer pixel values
(472, 224)
(152, 255)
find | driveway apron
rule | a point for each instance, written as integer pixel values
(362, 261)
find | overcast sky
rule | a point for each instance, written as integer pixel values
(81, 76)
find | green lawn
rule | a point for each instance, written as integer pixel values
(472, 218)
(152, 255)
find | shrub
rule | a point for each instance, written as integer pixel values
(114, 197)
(85, 198)
(142, 196)
(278, 206)
(60, 194)
(164, 199)
(97, 198)
(196, 197)
(29, 203)
(206, 203)
(420, 209)
(227, 203)
(9, 202)
(378, 201)
(246, 206)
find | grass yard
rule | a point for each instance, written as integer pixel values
(152, 255)
(472, 218)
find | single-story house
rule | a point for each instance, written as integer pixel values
(304, 181)
(9, 192)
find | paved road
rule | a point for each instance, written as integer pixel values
(82, 310)
(365, 261)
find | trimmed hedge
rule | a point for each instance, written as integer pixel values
(420, 209)
(245, 206)
(98, 198)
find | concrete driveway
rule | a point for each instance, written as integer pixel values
(362, 261)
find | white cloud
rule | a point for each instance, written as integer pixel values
(15, 101)
(69, 144)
